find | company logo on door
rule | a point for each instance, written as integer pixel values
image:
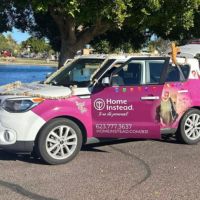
(99, 104)
(112, 104)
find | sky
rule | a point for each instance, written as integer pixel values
(18, 35)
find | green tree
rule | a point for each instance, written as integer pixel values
(75, 22)
(159, 45)
(8, 43)
(175, 20)
(70, 24)
(12, 45)
(102, 46)
(37, 45)
(3, 43)
(127, 39)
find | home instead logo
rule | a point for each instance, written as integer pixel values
(99, 104)
(111, 104)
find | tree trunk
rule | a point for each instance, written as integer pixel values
(72, 39)
(70, 47)
(66, 52)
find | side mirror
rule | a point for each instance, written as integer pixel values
(105, 81)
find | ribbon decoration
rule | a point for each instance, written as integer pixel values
(175, 51)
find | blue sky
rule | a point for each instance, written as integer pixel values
(18, 35)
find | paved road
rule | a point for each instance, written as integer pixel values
(139, 170)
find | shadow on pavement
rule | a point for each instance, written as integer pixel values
(28, 158)
(94, 146)
(171, 139)
(7, 156)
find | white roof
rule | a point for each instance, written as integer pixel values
(115, 56)
(190, 50)
(92, 56)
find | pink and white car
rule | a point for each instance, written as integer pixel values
(99, 97)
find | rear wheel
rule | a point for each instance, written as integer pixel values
(189, 130)
(59, 141)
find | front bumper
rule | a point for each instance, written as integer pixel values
(24, 126)
(19, 147)
(8, 141)
(7, 136)
(19, 130)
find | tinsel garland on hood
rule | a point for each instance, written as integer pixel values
(36, 90)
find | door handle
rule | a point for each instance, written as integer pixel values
(182, 91)
(150, 98)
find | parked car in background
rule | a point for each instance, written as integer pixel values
(6, 53)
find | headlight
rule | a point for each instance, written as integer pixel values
(20, 105)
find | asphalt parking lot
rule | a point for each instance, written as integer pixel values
(125, 169)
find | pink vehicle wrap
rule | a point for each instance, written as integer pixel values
(182, 97)
(125, 121)
(120, 112)
(73, 107)
(127, 111)
(111, 112)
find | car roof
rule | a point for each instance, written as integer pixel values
(125, 57)
(115, 56)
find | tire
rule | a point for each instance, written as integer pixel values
(189, 128)
(59, 141)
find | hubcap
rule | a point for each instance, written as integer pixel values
(61, 142)
(192, 127)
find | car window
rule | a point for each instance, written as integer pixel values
(112, 69)
(186, 70)
(101, 71)
(154, 71)
(174, 73)
(130, 74)
(78, 72)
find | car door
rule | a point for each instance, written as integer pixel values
(128, 106)
(176, 99)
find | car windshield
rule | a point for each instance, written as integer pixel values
(77, 73)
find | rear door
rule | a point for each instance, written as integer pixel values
(128, 107)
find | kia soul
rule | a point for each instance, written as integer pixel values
(100, 97)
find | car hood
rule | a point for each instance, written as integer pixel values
(35, 90)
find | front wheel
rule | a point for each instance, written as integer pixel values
(59, 141)
(189, 129)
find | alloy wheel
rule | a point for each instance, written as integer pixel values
(192, 126)
(61, 142)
